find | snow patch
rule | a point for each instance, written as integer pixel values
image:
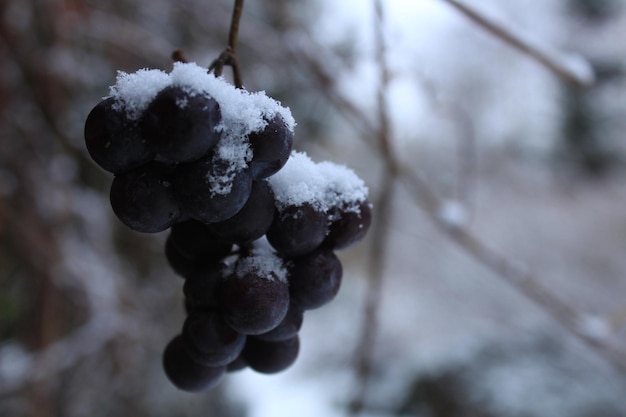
(242, 112)
(454, 214)
(234, 153)
(594, 327)
(324, 185)
(133, 92)
(264, 263)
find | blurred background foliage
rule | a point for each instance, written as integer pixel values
(86, 306)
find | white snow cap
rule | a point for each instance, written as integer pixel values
(324, 185)
(242, 112)
(133, 92)
(264, 263)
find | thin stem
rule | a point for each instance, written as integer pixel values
(384, 131)
(234, 64)
(369, 326)
(178, 56)
(380, 230)
(233, 36)
(228, 57)
(234, 26)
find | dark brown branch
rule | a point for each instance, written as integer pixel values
(380, 230)
(178, 56)
(234, 26)
(217, 66)
(369, 326)
(228, 57)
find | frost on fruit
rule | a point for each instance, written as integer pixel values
(324, 185)
(343, 188)
(264, 264)
(298, 182)
(133, 92)
(233, 153)
(242, 112)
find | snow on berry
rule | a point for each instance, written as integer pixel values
(133, 92)
(264, 264)
(323, 185)
(343, 188)
(242, 112)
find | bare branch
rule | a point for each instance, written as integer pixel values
(435, 206)
(179, 56)
(380, 230)
(570, 67)
(234, 26)
(228, 57)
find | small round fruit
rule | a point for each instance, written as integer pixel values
(186, 374)
(210, 341)
(298, 230)
(181, 124)
(288, 328)
(143, 199)
(255, 298)
(194, 240)
(270, 148)
(194, 185)
(271, 357)
(314, 279)
(114, 141)
(252, 221)
(348, 227)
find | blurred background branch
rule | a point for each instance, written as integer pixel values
(379, 237)
(571, 67)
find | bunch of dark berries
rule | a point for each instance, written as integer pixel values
(253, 224)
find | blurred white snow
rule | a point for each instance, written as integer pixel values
(440, 307)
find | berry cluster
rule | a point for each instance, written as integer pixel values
(253, 225)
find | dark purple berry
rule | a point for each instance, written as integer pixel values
(193, 239)
(143, 199)
(271, 357)
(181, 124)
(252, 221)
(200, 190)
(314, 279)
(210, 341)
(298, 230)
(237, 365)
(113, 141)
(186, 374)
(270, 148)
(182, 265)
(288, 328)
(254, 299)
(348, 227)
(201, 286)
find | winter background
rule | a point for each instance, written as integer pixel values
(523, 161)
